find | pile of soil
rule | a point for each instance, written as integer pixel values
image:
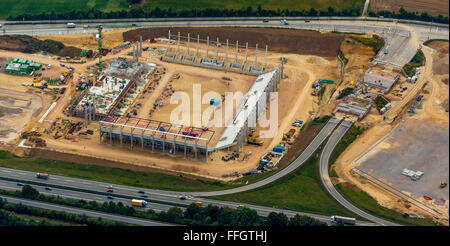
(28, 44)
(303, 42)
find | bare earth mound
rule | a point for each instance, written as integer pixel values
(303, 42)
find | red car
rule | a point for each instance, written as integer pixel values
(109, 190)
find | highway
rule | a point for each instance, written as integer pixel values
(125, 219)
(261, 210)
(401, 49)
(324, 164)
(398, 41)
(88, 189)
(302, 158)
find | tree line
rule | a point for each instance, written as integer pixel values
(403, 14)
(157, 12)
(193, 215)
(9, 217)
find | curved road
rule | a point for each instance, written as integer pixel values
(324, 161)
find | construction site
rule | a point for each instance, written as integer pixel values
(122, 102)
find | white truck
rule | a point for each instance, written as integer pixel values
(344, 220)
(71, 25)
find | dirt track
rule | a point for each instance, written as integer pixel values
(303, 42)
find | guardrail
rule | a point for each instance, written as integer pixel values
(225, 19)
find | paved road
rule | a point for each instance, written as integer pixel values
(302, 158)
(324, 160)
(163, 200)
(366, 6)
(391, 31)
(12, 185)
(89, 213)
(261, 210)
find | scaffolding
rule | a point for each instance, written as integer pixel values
(219, 59)
(168, 137)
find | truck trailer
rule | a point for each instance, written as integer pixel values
(344, 220)
(42, 175)
(138, 203)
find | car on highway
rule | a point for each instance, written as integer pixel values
(19, 184)
(141, 192)
(134, 24)
(110, 197)
(307, 21)
(265, 20)
(48, 188)
(110, 190)
(144, 195)
(109, 187)
(182, 198)
(198, 203)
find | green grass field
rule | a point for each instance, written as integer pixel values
(110, 175)
(365, 202)
(302, 191)
(16, 7)
(265, 4)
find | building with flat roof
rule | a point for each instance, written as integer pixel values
(354, 106)
(379, 81)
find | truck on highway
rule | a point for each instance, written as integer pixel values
(344, 220)
(284, 22)
(42, 175)
(138, 203)
(71, 25)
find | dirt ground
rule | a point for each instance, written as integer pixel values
(432, 112)
(303, 42)
(432, 7)
(295, 102)
(16, 110)
(440, 58)
(13, 44)
(110, 39)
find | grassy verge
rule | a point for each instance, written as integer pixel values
(432, 40)
(110, 175)
(365, 202)
(345, 92)
(360, 198)
(301, 190)
(376, 42)
(380, 102)
(343, 58)
(417, 61)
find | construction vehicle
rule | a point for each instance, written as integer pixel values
(443, 185)
(42, 175)
(138, 203)
(253, 140)
(31, 134)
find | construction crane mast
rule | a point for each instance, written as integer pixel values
(100, 67)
